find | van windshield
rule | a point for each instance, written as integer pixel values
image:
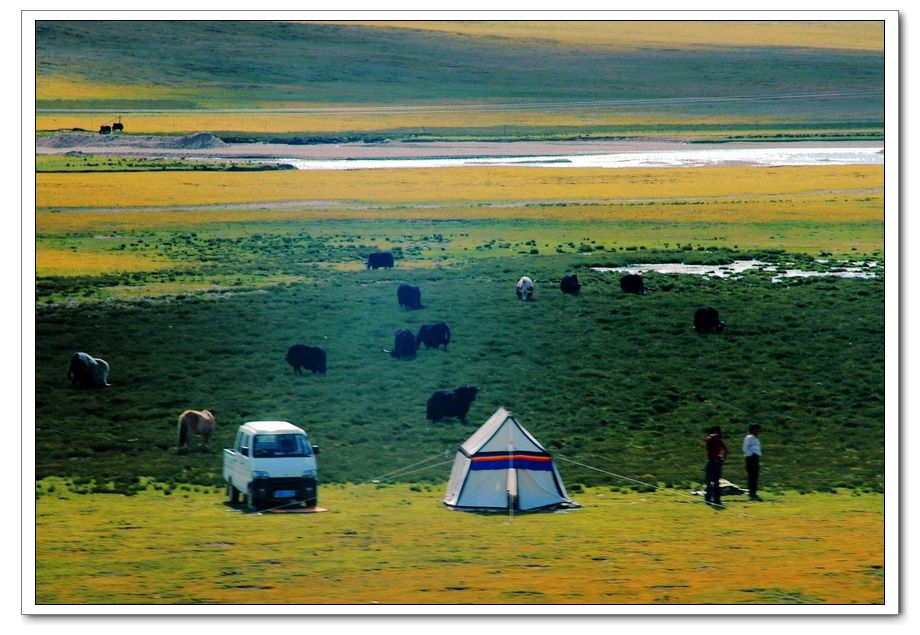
(269, 445)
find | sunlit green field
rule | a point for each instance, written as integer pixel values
(398, 544)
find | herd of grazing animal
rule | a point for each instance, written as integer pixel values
(86, 371)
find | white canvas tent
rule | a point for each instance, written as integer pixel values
(502, 466)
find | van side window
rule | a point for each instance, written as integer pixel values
(239, 439)
(244, 445)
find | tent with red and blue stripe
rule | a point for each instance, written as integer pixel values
(502, 466)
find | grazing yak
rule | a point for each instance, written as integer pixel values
(706, 320)
(570, 283)
(404, 344)
(198, 422)
(379, 259)
(433, 335)
(409, 297)
(632, 283)
(312, 358)
(524, 288)
(451, 403)
(86, 371)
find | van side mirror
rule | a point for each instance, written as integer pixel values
(315, 449)
(244, 451)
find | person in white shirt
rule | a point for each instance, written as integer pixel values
(752, 454)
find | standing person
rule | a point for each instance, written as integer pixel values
(752, 454)
(716, 453)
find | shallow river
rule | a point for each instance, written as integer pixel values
(692, 157)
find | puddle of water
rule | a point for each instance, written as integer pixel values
(856, 269)
(850, 272)
(718, 271)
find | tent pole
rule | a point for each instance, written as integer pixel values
(510, 472)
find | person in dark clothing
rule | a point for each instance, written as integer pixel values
(752, 454)
(716, 453)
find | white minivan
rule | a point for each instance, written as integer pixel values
(271, 461)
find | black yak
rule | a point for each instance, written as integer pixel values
(409, 296)
(433, 335)
(404, 344)
(706, 320)
(524, 288)
(570, 283)
(379, 259)
(632, 283)
(451, 403)
(86, 371)
(312, 358)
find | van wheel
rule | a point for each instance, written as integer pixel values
(234, 494)
(254, 502)
(311, 502)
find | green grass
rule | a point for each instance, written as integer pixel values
(613, 379)
(700, 132)
(78, 162)
(181, 544)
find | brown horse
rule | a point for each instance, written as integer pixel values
(198, 422)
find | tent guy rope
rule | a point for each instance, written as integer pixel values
(655, 487)
(399, 471)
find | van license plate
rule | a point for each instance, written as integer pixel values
(284, 493)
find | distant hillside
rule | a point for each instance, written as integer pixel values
(164, 64)
(638, 34)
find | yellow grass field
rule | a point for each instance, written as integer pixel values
(625, 34)
(457, 185)
(808, 209)
(373, 118)
(861, 207)
(64, 262)
(394, 545)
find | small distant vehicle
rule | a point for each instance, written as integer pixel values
(271, 461)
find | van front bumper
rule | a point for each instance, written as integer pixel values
(295, 488)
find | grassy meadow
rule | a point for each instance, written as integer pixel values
(88, 163)
(169, 546)
(787, 189)
(289, 223)
(192, 279)
(192, 286)
(622, 372)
